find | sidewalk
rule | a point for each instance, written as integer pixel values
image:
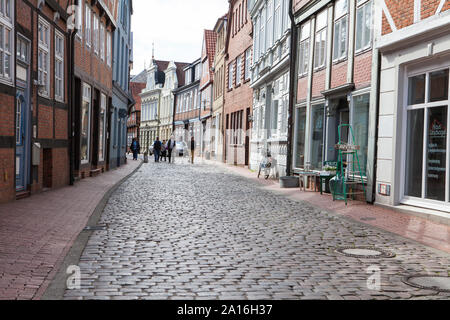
(419, 229)
(37, 232)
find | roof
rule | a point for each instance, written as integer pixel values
(141, 77)
(210, 42)
(136, 89)
(180, 72)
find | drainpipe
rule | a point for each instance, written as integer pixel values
(292, 89)
(375, 162)
(71, 101)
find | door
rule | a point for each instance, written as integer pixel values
(21, 129)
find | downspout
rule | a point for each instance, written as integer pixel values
(71, 95)
(375, 162)
(292, 82)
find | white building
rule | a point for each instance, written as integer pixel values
(270, 80)
(413, 159)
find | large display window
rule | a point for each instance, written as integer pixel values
(427, 160)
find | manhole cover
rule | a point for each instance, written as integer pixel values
(437, 283)
(95, 228)
(364, 252)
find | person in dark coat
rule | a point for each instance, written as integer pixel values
(164, 151)
(170, 147)
(157, 149)
(135, 148)
(192, 149)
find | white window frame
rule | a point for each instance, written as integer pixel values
(262, 33)
(108, 48)
(238, 70)
(366, 6)
(230, 75)
(87, 98)
(79, 20)
(320, 54)
(339, 18)
(59, 59)
(102, 41)
(248, 62)
(278, 19)
(103, 108)
(7, 24)
(269, 24)
(88, 25)
(44, 49)
(304, 47)
(96, 39)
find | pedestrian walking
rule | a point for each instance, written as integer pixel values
(135, 148)
(170, 148)
(192, 149)
(157, 149)
(164, 151)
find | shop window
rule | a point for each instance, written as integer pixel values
(317, 136)
(426, 137)
(361, 127)
(301, 130)
(85, 123)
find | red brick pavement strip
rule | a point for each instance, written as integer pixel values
(419, 229)
(36, 233)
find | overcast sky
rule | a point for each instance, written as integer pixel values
(175, 26)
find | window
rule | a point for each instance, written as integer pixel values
(108, 48)
(248, 61)
(85, 124)
(340, 30)
(274, 118)
(256, 41)
(23, 50)
(102, 42)
(360, 119)
(230, 76)
(96, 34)
(6, 40)
(238, 70)
(44, 57)
(59, 66)
(427, 165)
(262, 30)
(284, 114)
(363, 26)
(317, 136)
(305, 34)
(300, 143)
(269, 24)
(102, 128)
(277, 19)
(321, 40)
(188, 76)
(79, 20)
(87, 28)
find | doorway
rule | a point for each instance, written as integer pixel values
(21, 141)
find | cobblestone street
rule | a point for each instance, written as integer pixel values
(203, 232)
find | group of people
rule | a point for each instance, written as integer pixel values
(161, 150)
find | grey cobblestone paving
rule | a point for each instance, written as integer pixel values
(201, 232)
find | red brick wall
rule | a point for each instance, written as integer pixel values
(318, 83)
(302, 89)
(7, 110)
(363, 70)
(45, 122)
(402, 12)
(339, 74)
(7, 175)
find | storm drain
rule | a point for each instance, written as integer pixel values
(437, 283)
(364, 252)
(95, 228)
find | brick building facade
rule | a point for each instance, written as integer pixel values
(336, 79)
(34, 105)
(206, 91)
(413, 167)
(238, 94)
(93, 87)
(137, 84)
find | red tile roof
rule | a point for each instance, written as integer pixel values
(210, 42)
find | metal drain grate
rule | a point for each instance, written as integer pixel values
(95, 228)
(364, 252)
(437, 283)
